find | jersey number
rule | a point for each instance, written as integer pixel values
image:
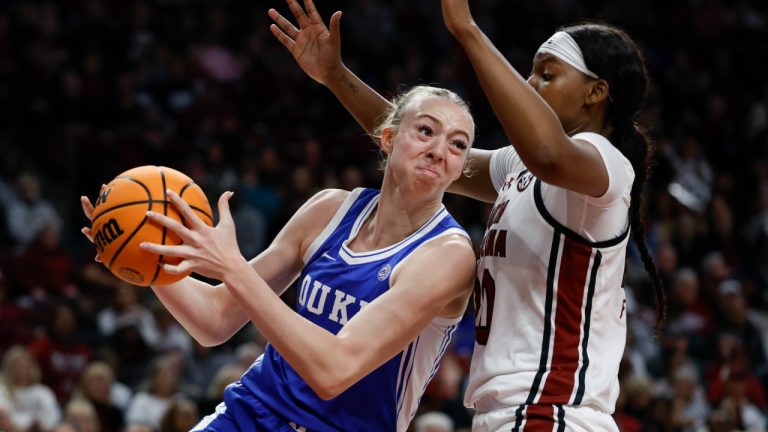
(483, 296)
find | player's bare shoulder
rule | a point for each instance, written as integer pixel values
(312, 217)
(324, 204)
(453, 246)
(452, 253)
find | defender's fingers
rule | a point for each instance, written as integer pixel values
(314, 16)
(286, 26)
(282, 37)
(298, 12)
(336, 27)
(189, 216)
(85, 203)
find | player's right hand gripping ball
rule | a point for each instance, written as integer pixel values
(120, 222)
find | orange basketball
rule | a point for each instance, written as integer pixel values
(120, 222)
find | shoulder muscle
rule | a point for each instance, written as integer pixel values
(310, 219)
(446, 265)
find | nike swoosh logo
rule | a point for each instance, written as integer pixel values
(325, 255)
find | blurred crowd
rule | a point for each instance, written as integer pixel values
(90, 88)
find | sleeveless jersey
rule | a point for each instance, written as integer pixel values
(549, 307)
(334, 285)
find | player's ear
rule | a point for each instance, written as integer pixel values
(598, 92)
(387, 140)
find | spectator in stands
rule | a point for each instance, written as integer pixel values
(44, 270)
(166, 334)
(181, 416)
(29, 213)
(21, 330)
(96, 387)
(149, 405)
(82, 415)
(433, 421)
(734, 319)
(25, 404)
(61, 355)
(689, 409)
(126, 310)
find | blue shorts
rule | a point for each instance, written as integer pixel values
(242, 412)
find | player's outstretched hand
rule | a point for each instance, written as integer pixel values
(316, 49)
(206, 250)
(456, 15)
(85, 203)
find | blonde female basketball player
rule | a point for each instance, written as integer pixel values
(549, 306)
(383, 278)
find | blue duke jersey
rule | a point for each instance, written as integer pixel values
(337, 283)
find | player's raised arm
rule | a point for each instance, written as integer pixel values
(317, 50)
(529, 122)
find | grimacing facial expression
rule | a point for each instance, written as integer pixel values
(433, 140)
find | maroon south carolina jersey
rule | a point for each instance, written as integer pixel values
(549, 305)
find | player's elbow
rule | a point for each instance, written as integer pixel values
(210, 336)
(327, 393)
(547, 164)
(208, 340)
(545, 170)
(330, 381)
(547, 153)
(333, 371)
(330, 385)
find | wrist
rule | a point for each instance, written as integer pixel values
(338, 78)
(235, 271)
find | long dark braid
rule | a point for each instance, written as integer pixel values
(613, 56)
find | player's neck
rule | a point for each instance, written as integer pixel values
(393, 220)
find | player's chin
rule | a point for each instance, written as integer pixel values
(428, 185)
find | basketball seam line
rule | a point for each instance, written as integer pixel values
(122, 246)
(181, 194)
(119, 206)
(165, 213)
(149, 199)
(198, 209)
(140, 183)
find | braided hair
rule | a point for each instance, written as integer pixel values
(611, 54)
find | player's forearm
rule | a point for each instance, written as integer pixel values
(202, 309)
(363, 102)
(312, 351)
(529, 123)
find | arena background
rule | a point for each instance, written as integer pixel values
(89, 88)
